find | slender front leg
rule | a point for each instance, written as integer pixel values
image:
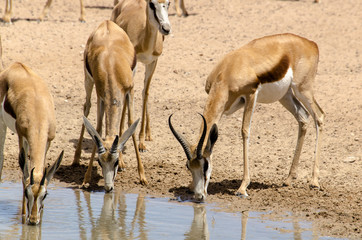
(150, 69)
(248, 113)
(23, 208)
(100, 113)
(141, 171)
(88, 174)
(8, 11)
(180, 8)
(45, 10)
(88, 85)
(3, 129)
(82, 12)
(121, 164)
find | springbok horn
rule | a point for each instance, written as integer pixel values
(185, 145)
(201, 142)
(114, 145)
(95, 135)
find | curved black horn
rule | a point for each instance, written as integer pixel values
(201, 142)
(99, 144)
(114, 147)
(181, 140)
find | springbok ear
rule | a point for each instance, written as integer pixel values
(51, 170)
(214, 133)
(94, 135)
(125, 136)
(24, 166)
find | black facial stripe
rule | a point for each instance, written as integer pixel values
(116, 163)
(45, 195)
(206, 167)
(153, 8)
(99, 162)
(114, 173)
(187, 165)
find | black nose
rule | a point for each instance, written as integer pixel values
(166, 31)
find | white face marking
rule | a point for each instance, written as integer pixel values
(32, 202)
(109, 171)
(200, 178)
(159, 11)
(271, 92)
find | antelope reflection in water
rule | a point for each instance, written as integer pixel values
(199, 228)
(111, 223)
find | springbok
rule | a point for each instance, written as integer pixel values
(44, 13)
(180, 8)
(109, 58)
(273, 68)
(146, 23)
(27, 108)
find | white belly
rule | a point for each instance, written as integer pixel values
(271, 92)
(7, 118)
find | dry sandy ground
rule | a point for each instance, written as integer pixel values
(54, 49)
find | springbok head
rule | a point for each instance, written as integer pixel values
(108, 152)
(198, 161)
(158, 15)
(34, 191)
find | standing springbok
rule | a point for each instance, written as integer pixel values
(27, 108)
(109, 59)
(273, 68)
(146, 23)
(44, 13)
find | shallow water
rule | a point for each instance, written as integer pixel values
(76, 214)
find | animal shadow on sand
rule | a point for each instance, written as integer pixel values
(13, 20)
(87, 145)
(75, 174)
(99, 7)
(226, 186)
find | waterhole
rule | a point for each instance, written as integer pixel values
(76, 214)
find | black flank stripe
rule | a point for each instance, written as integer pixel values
(276, 73)
(87, 66)
(8, 108)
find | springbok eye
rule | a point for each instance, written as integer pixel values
(152, 6)
(116, 164)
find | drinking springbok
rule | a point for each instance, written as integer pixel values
(109, 59)
(273, 68)
(27, 108)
